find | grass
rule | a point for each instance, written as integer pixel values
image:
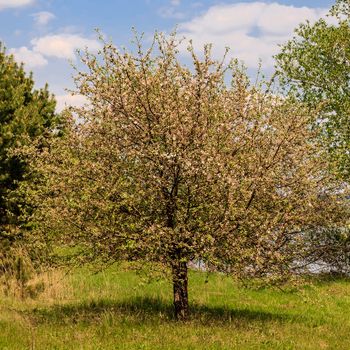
(112, 310)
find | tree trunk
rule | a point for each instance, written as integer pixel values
(180, 283)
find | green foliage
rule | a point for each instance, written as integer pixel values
(316, 63)
(170, 165)
(25, 114)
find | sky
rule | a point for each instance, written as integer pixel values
(45, 34)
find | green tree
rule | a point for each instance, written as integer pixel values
(25, 114)
(316, 65)
(168, 165)
(316, 62)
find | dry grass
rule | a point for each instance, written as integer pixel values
(50, 286)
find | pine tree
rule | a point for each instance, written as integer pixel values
(25, 114)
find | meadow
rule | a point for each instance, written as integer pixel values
(115, 310)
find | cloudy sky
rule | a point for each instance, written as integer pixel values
(44, 34)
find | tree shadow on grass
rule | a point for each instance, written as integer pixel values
(144, 309)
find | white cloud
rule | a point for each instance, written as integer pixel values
(64, 101)
(251, 30)
(63, 45)
(14, 3)
(43, 18)
(30, 58)
(170, 11)
(60, 46)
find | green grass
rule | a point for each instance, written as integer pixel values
(111, 310)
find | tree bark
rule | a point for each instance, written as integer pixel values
(180, 284)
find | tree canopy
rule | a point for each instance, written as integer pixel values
(169, 164)
(317, 63)
(25, 114)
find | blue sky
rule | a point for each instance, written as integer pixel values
(44, 34)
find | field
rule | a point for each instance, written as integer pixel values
(113, 310)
